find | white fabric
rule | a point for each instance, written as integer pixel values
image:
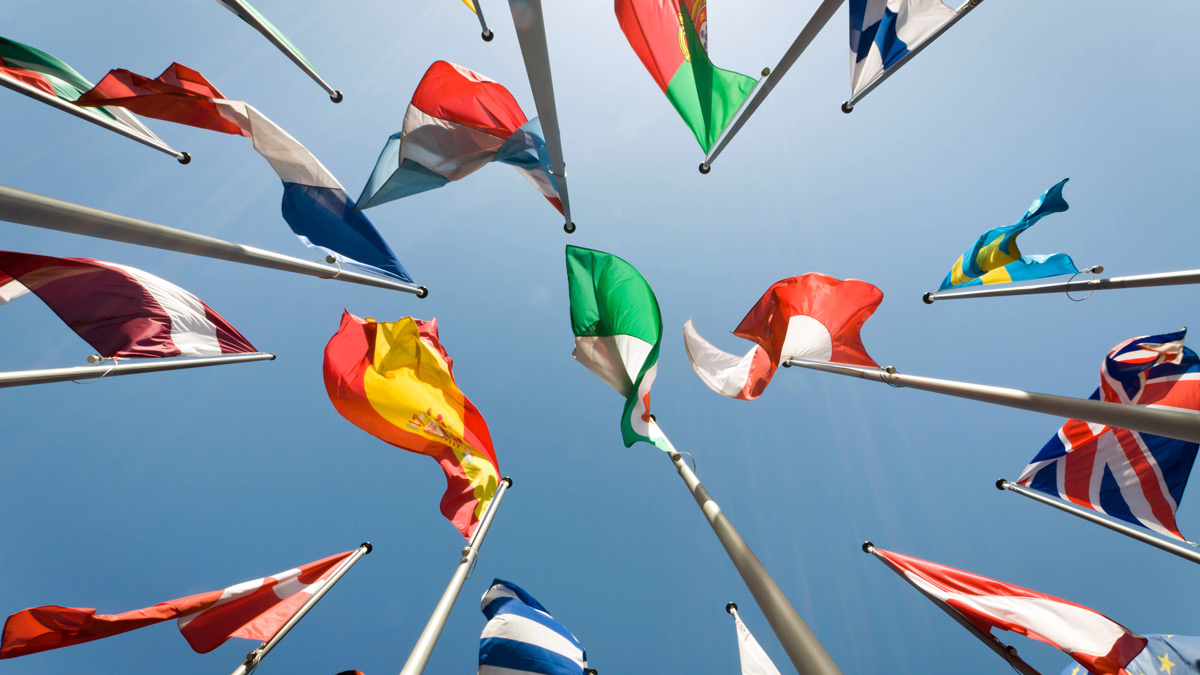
(191, 331)
(520, 629)
(11, 291)
(916, 20)
(754, 660)
(806, 338)
(615, 359)
(290, 159)
(723, 372)
(447, 148)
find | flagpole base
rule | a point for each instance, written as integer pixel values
(186, 159)
(705, 168)
(731, 607)
(422, 292)
(336, 97)
(569, 228)
(847, 108)
(487, 35)
(927, 298)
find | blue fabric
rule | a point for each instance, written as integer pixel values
(882, 33)
(510, 643)
(325, 219)
(524, 657)
(526, 149)
(1174, 654)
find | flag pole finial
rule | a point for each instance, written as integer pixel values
(422, 292)
(928, 298)
(847, 108)
(184, 158)
(731, 607)
(336, 96)
(1001, 484)
(868, 547)
(367, 545)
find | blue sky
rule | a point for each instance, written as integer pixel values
(124, 493)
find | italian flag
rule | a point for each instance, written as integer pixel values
(618, 328)
(671, 39)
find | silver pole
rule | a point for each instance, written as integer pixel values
(819, 18)
(255, 657)
(415, 665)
(531, 34)
(23, 378)
(28, 208)
(1171, 423)
(1006, 652)
(250, 18)
(82, 113)
(963, 10)
(807, 653)
(1187, 552)
(487, 34)
(1089, 285)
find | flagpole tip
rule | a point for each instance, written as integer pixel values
(787, 364)
(705, 168)
(508, 481)
(591, 671)
(336, 96)
(94, 358)
(847, 108)
(422, 292)
(928, 298)
(867, 547)
(368, 546)
(1001, 484)
(185, 159)
(271, 355)
(730, 607)
(766, 71)
(569, 228)
(487, 35)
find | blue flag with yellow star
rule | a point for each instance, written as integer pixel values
(1163, 655)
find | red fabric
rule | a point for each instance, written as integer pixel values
(179, 95)
(35, 80)
(653, 30)
(446, 93)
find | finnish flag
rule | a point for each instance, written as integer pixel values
(883, 31)
(522, 637)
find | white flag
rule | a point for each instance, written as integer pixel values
(754, 659)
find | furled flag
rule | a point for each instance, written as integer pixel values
(457, 122)
(882, 32)
(994, 258)
(1130, 475)
(470, 5)
(396, 382)
(246, 12)
(120, 311)
(314, 204)
(254, 610)
(522, 637)
(618, 328)
(1098, 643)
(754, 660)
(812, 316)
(1170, 654)
(671, 39)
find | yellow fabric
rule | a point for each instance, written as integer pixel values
(470, 4)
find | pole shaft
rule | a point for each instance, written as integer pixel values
(23, 378)
(807, 653)
(415, 665)
(28, 208)
(1170, 423)
(479, 13)
(1137, 281)
(250, 18)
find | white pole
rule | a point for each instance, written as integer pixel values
(250, 18)
(415, 665)
(28, 208)
(1170, 423)
(1087, 285)
(23, 378)
(255, 657)
(487, 34)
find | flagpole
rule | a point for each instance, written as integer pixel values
(1170, 423)
(82, 113)
(531, 35)
(251, 18)
(28, 208)
(487, 34)
(255, 657)
(807, 653)
(1006, 652)
(963, 10)
(819, 18)
(1180, 278)
(415, 665)
(1187, 552)
(23, 378)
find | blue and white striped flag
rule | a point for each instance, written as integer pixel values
(522, 637)
(883, 31)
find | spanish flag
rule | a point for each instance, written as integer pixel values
(394, 381)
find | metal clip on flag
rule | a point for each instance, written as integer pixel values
(1180, 278)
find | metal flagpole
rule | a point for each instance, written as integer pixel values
(1006, 652)
(1171, 423)
(1186, 550)
(255, 657)
(1090, 285)
(23, 378)
(250, 17)
(415, 665)
(814, 26)
(807, 653)
(28, 208)
(82, 113)
(531, 35)
(963, 10)
(487, 34)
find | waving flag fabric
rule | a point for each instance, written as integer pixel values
(618, 328)
(120, 311)
(1134, 476)
(254, 610)
(883, 31)
(671, 39)
(457, 122)
(812, 316)
(522, 637)
(1169, 654)
(994, 258)
(1098, 643)
(754, 660)
(396, 382)
(314, 204)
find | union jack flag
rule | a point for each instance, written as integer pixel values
(1136, 477)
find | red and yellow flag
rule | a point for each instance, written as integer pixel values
(394, 381)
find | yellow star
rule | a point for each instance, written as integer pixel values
(1165, 660)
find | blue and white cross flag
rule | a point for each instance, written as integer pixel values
(883, 31)
(522, 637)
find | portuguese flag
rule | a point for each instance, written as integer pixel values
(618, 328)
(671, 39)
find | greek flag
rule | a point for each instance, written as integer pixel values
(522, 637)
(884, 31)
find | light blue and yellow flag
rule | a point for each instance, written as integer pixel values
(994, 258)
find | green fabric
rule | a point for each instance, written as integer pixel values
(274, 31)
(68, 84)
(706, 96)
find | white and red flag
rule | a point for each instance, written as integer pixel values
(254, 610)
(813, 316)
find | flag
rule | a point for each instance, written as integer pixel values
(120, 311)
(671, 39)
(1130, 475)
(457, 122)
(754, 660)
(1170, 654)
(1099, 644)
(470, 5)
(618, 328)
(254, 610)
(522, 637)
(396, 382)
(884, 31)
(246, 12)
(314, 204)
(812, 316)
(994, 258)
